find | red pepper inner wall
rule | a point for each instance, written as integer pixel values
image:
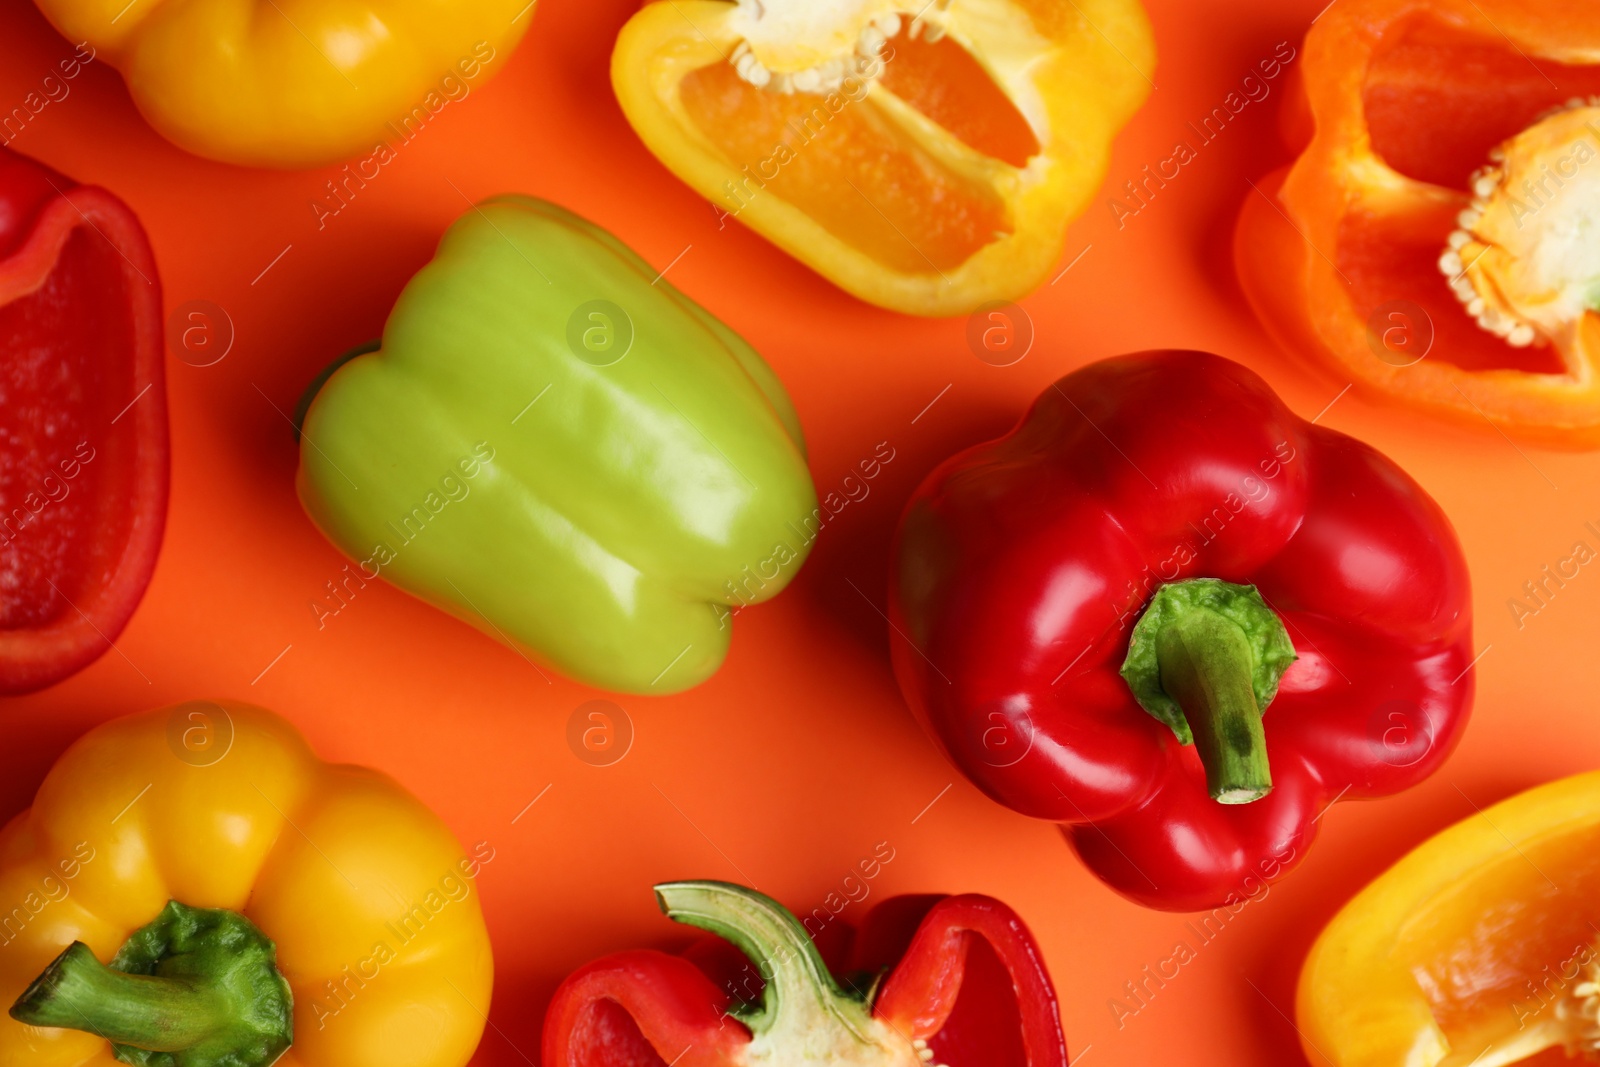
(607, 1036)
(59, 391)
(985, 1027)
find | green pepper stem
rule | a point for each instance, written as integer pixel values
(801, 1003)
(78, 992)
(200, 982)
(1205, 658)
(1206, 666)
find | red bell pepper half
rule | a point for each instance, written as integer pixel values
(83, 457)
(955, 981)
(1157, 553)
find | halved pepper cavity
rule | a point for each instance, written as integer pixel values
(1162, 553)
(294, 83)
(84, 457)
(556, 445)
(1480, 946)
(197, 889)
(926, 157)
(1434, 240)
(954, 981)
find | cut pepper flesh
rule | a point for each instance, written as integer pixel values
(83, 460)
(895, 226)
(1474, 948)
(60, 393)
(925, 159)
(1438, 97)
(1479, 947)
(927, 982)
(1525, 261)
(1420, 107)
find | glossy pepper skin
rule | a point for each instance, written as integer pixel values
(294, 83)
(219, 806)
(1022, 566)
(556, 445)
(940, 175)
(955, 981)
(1401, 102)
(84, 460)
(1478, 945)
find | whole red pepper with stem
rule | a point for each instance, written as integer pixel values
(1162, 552)
(83, 453)
(955, 981)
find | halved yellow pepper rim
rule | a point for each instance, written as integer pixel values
(1357, 1006)
(1079, 81)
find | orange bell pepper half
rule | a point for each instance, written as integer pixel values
(1434, 242)
(1480, 947)
(925, 157)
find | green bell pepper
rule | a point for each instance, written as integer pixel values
(557, 446)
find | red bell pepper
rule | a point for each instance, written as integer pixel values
(83, 460)
(955, 981)
(1161, 534)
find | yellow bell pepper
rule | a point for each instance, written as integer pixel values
(1480, 947)
(294, 83)
(223, 871)
(926, 157)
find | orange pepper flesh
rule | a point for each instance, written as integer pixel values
(926, 209)
(943, 82)
(925, 176)
(1442, 97)
(1475, 949)
(1409, 99)
(1394, 258)
(1436, 104)
(1481, 946)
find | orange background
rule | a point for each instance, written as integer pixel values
(799, 757)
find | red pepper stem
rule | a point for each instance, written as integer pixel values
(1206, 666)
(802, 1007)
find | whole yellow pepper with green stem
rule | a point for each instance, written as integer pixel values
(254, 904)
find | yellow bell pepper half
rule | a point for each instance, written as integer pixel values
(294, 83)
(926, 157)
(369, 900)
(1480, 947)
